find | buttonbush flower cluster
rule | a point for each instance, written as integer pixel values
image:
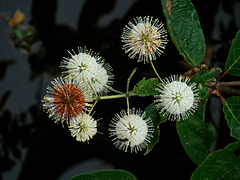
(66, 99)
(89, 67)
(131, 130)
(177, 97)
(70, 98)
(83, 127)
(87, 78)
(145, 37)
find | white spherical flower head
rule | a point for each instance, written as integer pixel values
(145, 37)
(177, 98)
(89, 67)
(131, 130)
(103, 79)
(82, 65)
(83, 127)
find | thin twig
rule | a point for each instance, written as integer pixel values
(127, 90)
(155, 71)
(93, 89)
(113, 90)
(223, 74)
(214, 84)
(89, 112)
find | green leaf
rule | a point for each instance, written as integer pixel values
(116, 174)
(231, 109)
(223, 164)
(200, 78)
(203, 75)
(185, 30)
(153, 113)
(146, 87)
(232, 65)
(196, 136)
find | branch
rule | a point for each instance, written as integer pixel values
(219, 88)
(215, 84)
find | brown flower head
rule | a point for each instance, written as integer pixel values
(66, 99)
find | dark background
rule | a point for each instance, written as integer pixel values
(33, 146)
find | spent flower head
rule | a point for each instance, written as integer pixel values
(131, 130)
(83, 127)
(145, 37)
(89, 67)
(66, 99)
(177, 97)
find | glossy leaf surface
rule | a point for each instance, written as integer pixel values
(223, 164)
(232, 114)
(232, 65)
(185, 30)
(146, 87)
(152, 112)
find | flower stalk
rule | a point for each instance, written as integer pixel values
(127, 90)
(154, 69)
(122, 95)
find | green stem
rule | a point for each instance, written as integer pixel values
(113, 90)
(155, 71)
(129, 79)
(89, 112)
(123, 95)
(92, 88)
(127, 90)
(128, 106)
(119, 95)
